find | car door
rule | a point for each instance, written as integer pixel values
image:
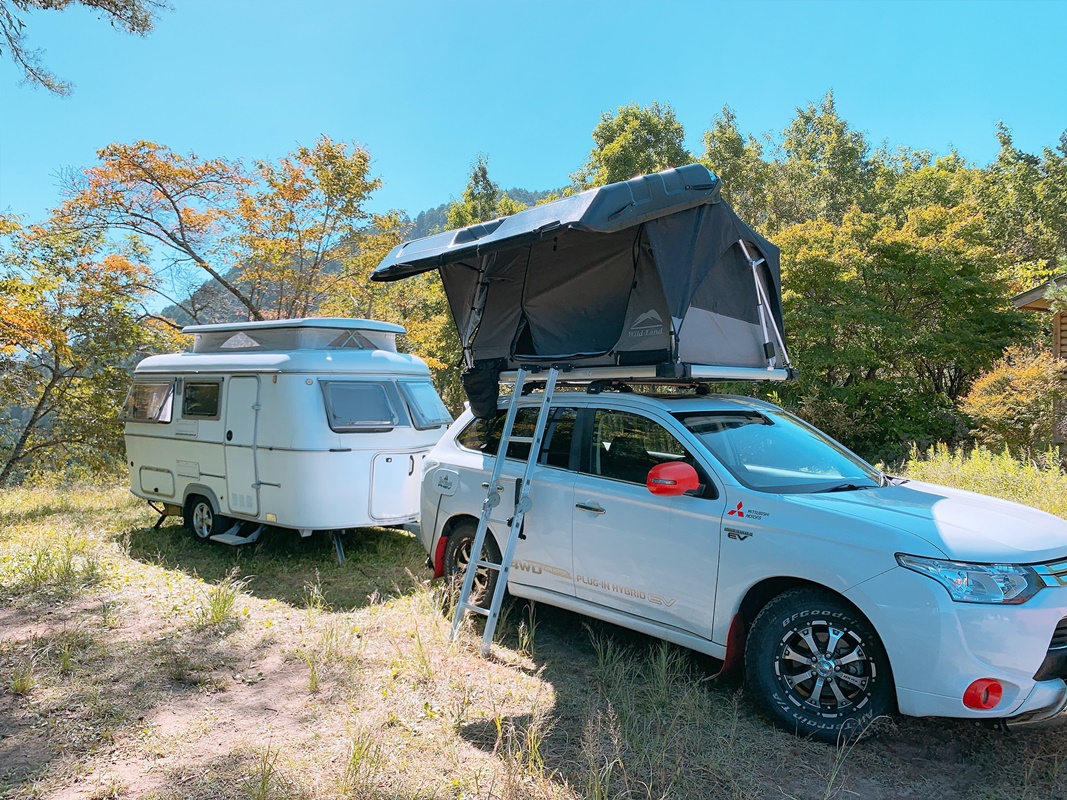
(543, 554)
(651, 556)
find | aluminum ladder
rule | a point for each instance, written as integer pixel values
(492, 501)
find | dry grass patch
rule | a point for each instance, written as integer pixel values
(178, 669)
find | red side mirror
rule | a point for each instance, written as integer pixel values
(673, 478)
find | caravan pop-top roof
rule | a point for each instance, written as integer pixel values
(296, 345)
(317, 333)
(656, 274)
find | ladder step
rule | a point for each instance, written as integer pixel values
(493, 498)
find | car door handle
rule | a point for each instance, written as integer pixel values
(594, 507)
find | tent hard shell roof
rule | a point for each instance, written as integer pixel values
(654, 277)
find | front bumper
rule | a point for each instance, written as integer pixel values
(938, 647)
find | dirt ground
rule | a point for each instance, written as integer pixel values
(326, 681)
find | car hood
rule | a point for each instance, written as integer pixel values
(965, 526)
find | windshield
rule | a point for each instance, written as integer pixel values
(772, 451)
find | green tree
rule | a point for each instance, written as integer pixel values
(1026, 205)
(481, 200)
(131, 16)
(890, 321)
(738, 161)
(633, 141)
(824, 168)
(63, 377)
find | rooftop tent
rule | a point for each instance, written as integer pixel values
(650, 277)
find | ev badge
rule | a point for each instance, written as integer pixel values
(446, 481)
(734, 533)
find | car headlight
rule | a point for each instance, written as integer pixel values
(977, 583)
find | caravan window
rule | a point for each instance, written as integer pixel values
(149, 401)
(427, 410)
(360, 406)
(201, 400)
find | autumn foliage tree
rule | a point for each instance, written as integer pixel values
(301, 229)
(275, 241)
(74, 330)
(184, 205)
(1018, 404)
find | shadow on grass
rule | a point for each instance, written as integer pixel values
(634, 716)
(380, 563)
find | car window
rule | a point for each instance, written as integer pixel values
(483, 436)
(624, 447)
(776, 452)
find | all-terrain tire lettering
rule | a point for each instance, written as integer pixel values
(799, 688)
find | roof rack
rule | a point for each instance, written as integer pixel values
(663, 374)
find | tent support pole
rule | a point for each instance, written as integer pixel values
(481, 293)
(761, 303)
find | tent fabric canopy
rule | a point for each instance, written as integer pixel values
(649, 271)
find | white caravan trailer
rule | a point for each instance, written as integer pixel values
(310, 424)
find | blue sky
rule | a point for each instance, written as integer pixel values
(428, 85)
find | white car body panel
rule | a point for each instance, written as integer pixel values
(679, 568)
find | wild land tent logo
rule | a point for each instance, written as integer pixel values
(648, 324)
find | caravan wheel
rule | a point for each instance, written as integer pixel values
(201, 519)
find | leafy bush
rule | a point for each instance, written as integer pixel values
(1019, 403)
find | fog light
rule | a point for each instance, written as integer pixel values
(983, 694)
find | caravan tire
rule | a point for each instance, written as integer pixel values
(458, 554)
(200, 518)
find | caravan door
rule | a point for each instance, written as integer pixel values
(395, 484)
(242, 417)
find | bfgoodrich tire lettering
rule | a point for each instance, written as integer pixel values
(458, 556)
(816, 667)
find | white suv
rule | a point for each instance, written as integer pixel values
(729, 526)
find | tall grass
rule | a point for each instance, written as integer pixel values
(1042, 485)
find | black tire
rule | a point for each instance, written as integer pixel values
(831, 694)
(200, 518)
(458, 556)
